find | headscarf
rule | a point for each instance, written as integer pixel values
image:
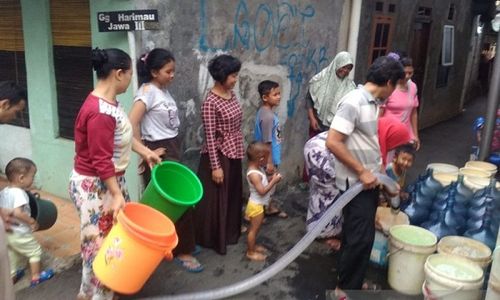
(391, 134)
(326, 88)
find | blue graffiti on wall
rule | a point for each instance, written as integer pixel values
(302, 66)
(280, 26)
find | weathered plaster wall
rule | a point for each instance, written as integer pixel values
(286, 41)
(14, 135)
(437, 104)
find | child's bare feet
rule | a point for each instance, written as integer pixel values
(261, 249)
(256, 256)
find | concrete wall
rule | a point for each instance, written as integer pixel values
(437, 104)
(286, 41)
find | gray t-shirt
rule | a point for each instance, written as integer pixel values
(266, 117)
(161, 120)
(356, 118)
(13, 197)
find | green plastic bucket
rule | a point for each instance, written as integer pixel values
(172, 190)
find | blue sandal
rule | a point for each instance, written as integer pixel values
(44, 276)
(18, 275)
(196, 251)
(191, 265)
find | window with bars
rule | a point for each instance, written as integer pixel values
(451, 12)
(381, 37)
(446, 56)
(70, 21)
(381, 7)
(424, 11)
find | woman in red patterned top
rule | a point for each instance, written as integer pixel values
(103, 143)
(218, 215)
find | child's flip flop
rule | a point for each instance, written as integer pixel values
(44, 276)
(191, 265)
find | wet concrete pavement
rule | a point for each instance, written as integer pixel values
(313, 274)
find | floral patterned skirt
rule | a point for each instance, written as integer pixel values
(89, 195)
(322, 188)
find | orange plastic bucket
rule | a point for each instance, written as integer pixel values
(141, 238)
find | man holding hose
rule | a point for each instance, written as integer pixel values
(353, 140)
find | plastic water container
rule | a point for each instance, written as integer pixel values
(471, 172)
(133, 249)
(482, 165)
(443, 168)
(385, 218)
(470, 249)
(380, 249)
(493, 292)
(409, 248)
(172, 190)
(445, 178)
(449, 277)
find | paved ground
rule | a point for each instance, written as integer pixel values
(312, 275)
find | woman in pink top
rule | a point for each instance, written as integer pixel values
(403, 103)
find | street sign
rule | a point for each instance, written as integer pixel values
(128, 20)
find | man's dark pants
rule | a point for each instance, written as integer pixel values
(358, 232)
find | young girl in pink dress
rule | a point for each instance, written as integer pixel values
(403, 103)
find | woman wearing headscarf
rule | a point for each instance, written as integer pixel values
(320, 168)
(391, 134)
(325, 91)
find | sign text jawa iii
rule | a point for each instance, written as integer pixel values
(128, 20)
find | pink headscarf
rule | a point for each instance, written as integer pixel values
(391, 134)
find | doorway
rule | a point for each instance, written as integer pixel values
(418, 52)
